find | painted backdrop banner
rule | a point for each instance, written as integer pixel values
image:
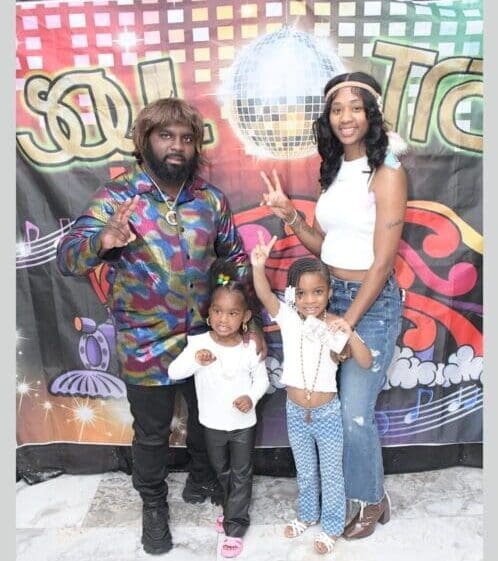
(256, 71)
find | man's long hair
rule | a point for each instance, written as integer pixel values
(329, 146)
(162, 113)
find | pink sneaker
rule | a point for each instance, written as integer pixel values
(231, 547)
(219, 524)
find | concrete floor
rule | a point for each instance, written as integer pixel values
(436, 516)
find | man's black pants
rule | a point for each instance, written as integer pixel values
(230, 453)
(152, 410)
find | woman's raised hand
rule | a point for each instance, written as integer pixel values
(275, 198)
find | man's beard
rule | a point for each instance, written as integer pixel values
(173, 174)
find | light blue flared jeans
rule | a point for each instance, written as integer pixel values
(318, 473)
(359, 388)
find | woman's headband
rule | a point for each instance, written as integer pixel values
(355, 84)
(351, 84)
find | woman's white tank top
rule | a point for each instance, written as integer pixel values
(346, 213)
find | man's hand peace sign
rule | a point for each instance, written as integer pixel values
(117, 231)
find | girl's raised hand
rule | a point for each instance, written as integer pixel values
(261, 251)
(275, 198)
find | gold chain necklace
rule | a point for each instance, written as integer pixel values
(171, 214)
(307, 417)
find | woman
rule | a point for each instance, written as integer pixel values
(358, 222)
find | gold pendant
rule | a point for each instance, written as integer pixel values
(171, 218)
(308, 396)
(307, 417)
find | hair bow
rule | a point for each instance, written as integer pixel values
(290, 296)
(222, 279)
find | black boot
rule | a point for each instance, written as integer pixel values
(199, 492)
(156, 537)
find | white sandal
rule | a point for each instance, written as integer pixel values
(297, 527)
(326, 540)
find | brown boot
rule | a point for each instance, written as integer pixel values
(363, 524)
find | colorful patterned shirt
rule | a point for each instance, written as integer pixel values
(159, 283)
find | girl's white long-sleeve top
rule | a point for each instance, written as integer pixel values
(236, 371)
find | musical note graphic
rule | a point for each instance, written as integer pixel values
(395, 425)
(382, 422)
(413, 415)
(455, 404)
(467, 403)
(35, 250)
(64, 223)
(30, 228)
(471, 401)
(31, 234)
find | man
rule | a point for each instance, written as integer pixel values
(159, 226)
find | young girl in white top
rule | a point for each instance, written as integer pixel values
(356, 231)
(313, 408)
(229, 380)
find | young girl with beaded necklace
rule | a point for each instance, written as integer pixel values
(313, 408)
(229, 380)
(356, 232)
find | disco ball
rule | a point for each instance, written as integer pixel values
(273, 93)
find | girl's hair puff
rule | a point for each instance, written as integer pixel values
(224, 275)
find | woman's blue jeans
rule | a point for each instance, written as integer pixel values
(359, 387)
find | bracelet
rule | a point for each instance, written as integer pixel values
(358, 336)
(354, 332)
(291, 222)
